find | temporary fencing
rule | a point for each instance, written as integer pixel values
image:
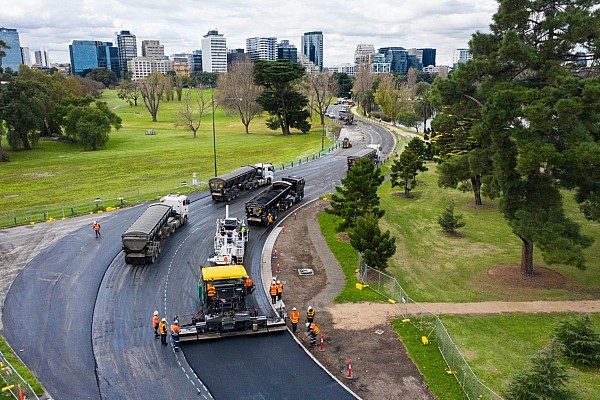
(13, 383)
(431, 326)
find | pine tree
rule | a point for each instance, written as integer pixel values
(406, 168)
(377, 247)
(450, 222)
(578, 342)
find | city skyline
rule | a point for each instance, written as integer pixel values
(444, 25)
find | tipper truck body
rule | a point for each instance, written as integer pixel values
(228, 186)
(142, 241)
(369, 153)
(281, 195)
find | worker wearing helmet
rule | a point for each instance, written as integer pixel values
(314, 331)
(310, 315)
(163, 329)
(279, 290)
(175, 329)
(155, 323)
(97, 229)
(294, 318)
(273, 292)
(249, 285)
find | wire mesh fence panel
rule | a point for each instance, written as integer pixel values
(13, 383)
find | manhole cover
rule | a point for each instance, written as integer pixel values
(305, 271)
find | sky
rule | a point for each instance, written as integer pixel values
(179, 25)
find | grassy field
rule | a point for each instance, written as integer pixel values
(20, 368)
(56, 173)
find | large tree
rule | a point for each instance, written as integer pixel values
(377, 246)
(358, 194)
(539, 120)
(22, 107)
(90, 125)
(130, 92)
(152, 89)
(280, 97)
(392, 97)
(105, 76)
(320, 88)
(363, 89)
(238, 92)
(405, 169)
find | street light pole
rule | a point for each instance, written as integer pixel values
(323, 137)
(212, 100)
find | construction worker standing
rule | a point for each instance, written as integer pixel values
(294, 317)
(249, 285)
(97, 229)
(314, 331)
(270, 220)
(163, 329)
(279, 290)
(273, 292)
(175, 329)
(310, 315)
(155, 323)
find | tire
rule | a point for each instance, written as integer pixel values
(268, 181)
(184, 220)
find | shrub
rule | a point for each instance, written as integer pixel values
(450, 222)
(578, 342)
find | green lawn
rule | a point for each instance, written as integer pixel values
(58, 173)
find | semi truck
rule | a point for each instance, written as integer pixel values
(230, 240)
(281, 195)
(248, 177)
(225, 307)
(142, 241)
(365, 153)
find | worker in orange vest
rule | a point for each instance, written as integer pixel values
(279, 290)
(273, 292)
(270, 220)
(294, 317)
(97, 229)
(314, 331)
(249, 285)
(211, 291)
(155, 323)
(175, 329)
(310, 315)
(162, 328)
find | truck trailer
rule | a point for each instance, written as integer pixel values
(224, 293)
(142, 241)
(281, 195)
(248, 177)
(369, 153)
(230, 240)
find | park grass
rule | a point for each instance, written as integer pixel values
(58, 173)
(496, 346)
(21, 369)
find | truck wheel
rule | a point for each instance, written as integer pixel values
(184, 220)
(128, 260)
(268, 181)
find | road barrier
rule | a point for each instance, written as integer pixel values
(13, 382)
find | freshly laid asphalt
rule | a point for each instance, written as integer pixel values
(80, 318)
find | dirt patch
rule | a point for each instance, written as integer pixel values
(343, 237)
(410, 196)
(361, 332)
(510, 275)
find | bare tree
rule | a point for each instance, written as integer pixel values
(192, 110)
(363, 87)
(238, 92)
(320, 88)
(169, 89)
(411, 82)
(152, 89)
(179, 83)
(130, 92)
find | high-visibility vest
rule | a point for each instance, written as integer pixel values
(163, 328)
(269, 218)
(155, 321)
(96, 227)
(310, 313)
(279, 288)
(175, 328)
(294, 317)
(273, 290)
(211, 291)
(315, 329)
(249, 282)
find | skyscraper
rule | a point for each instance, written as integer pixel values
(89, 54)
(41, 58)
(153, 50)
(362, 54)
(460, 56)
(262, 48)
(195, 61)
(287, 51)
(428, 56)
(13, 57)
(397, 57)
(312, 47)
(127, 48)
(214, 52)
(26, 54)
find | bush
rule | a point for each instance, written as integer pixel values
(450, 222)
(578, 343)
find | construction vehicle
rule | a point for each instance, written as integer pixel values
(230, 241)
(365, 153)
(225, 307)
(142, 241)
(346, 143)
(346, 116)
(280, 196)
(248, 177)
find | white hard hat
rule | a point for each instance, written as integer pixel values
(274, 279)
(156, 312)
(307, 324)
(310, 307)
(95, 222)
(278, 281)
(176, 322)
(294, 309)
(164, 320)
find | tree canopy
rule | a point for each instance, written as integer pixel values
(376, 246)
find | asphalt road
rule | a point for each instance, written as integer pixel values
(82, 317)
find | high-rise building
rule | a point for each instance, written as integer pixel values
(237, 55)
(214, 52)
(428, 56)
(287, 51)
(362, 54)
(461, 56)
(41, 58)
(379, 63)
(262, 48)
(89, 54)
(141, 67)
(195, 61)
(127, 48)
(397, 57)
(312, 47)
(308, 65)
(153, 50)
(346, 68)
(26, 55)
(13, 57)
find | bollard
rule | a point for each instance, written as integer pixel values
(322, 348)
(294, 215)
(283, 228)
(349, 369)
(278, 268)
(275, 253)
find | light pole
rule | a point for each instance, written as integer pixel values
(212, 101)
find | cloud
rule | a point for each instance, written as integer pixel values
(444, 25)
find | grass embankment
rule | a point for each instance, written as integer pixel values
(133, 162)
(435, 267)
(20, 368)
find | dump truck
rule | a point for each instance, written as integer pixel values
(365, 153)
(281, 195)
(230, 240)
(248, 177)
(142, 241)
(346, 144)
(225, 307)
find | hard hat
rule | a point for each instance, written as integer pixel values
(156, 312)
(294, 309)
(164, 320)
(176, 322)
(307, 324)
(278, 281)
(310, 307)
(274, 279)
(95, 222)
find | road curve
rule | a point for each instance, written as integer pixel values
(82, 317)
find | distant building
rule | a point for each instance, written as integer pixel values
(379, 64)
(312, 47)
(362, 54)
(89, 54)
(460, 56)
(195, 61)
(41, 58)
(153, 50)
(346, 68)
(440, 70)
(13, 57)
(262, 48)
(141, 67)
(26, 56)
(287, 51)
(428, 56)
(181, 68)
(126, 43)
(214, 52)
(397, 57)
(237, 55)
(308, 65)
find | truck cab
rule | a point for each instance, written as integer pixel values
(179, 204)
(266, 171)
